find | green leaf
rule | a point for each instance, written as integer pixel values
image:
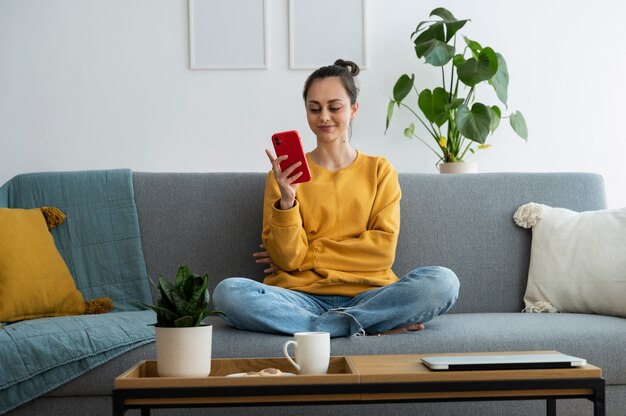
(418, 29)
(389, 114)
(496, 114)
(451, 23)
(173, 297)
(160, 310)
(182, 274)
(474, 124)
(519, 125)
(444, 13)
(474, 71)
(403, 87)
(500, 80)
(200, 318)
(474, 46)
(166, 294)
(433, 105)
(431, 45)
(435, 52)
(453, 27)
(184, 322)
(196, 295)
(433, 32)
(408, 132)
(454, 104)
(458, 59)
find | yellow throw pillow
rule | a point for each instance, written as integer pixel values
(34, 280)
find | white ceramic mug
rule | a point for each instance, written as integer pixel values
(312, 352)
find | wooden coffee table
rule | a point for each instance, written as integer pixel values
(353, 379)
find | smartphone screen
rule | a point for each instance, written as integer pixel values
(289, 143)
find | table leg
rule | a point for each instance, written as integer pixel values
(551, 406)
(145, 411)
(118, 405)
(599, 398)
(599, 403)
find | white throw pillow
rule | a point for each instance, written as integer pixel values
(577, 260)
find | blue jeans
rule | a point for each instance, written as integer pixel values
(417, 297)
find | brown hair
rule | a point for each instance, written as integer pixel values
(345, 70)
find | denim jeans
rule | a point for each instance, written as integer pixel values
(417, 297)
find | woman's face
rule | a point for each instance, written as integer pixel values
(328, 109)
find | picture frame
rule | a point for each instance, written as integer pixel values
(228, 34)
(322, 31)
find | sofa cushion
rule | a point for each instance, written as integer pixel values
(577, 260)
(574, 334)
(34, 280)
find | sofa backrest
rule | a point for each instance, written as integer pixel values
(211, 222)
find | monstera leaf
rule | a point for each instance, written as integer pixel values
(433, 105)
(477, 70)
(474, 124)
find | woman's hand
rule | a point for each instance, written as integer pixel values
(284, 179)
(263, 257)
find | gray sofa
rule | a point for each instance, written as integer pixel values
(212, 223)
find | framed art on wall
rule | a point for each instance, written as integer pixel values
(322, 31)
(227, 34)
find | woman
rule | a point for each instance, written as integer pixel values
(330, 243)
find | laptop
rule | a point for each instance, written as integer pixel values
(502, 361)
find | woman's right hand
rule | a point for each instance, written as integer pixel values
(284, 179)
(263, 257)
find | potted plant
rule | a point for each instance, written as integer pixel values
(453, 104)
(183, 342)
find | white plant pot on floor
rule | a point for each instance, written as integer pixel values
(184, 352)
(458, 167)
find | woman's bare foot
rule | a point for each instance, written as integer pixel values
(405, 330)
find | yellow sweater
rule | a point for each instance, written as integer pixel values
(340, 237)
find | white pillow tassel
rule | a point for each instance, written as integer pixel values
(528, 215)
(541, 306)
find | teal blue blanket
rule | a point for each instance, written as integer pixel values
(101, 244)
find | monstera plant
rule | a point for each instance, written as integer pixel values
(449, 113)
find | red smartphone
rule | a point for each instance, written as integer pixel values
(289, 143)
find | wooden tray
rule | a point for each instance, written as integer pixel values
(144, 374)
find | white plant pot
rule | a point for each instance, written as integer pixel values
(458, 167)
(184, 352)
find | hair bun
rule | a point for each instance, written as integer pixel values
(349, 65)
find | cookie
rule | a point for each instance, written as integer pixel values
(271, 372)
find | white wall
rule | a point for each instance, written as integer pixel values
(88, 84)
